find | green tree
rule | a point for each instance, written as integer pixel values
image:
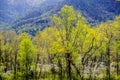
(42, 42)
(110, 30)
(26, 55)
(71, 27)
(117, 44)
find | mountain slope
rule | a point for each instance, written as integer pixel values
(11, 10)
(95, 11)
(36, 15)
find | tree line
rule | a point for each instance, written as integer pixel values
(70, 49)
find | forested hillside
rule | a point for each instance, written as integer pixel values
(32, 16)
(15, 10)
(69, 49)
(95, 11)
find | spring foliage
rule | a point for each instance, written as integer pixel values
(68, 50)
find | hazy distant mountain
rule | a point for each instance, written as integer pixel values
(96, 10)
(33, 15)
(13, 9)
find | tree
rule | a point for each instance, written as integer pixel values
(26, 55)
(110, 30)
(117, 44)
(42, 42)
(72, 28)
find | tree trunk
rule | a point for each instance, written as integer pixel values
(15, 69)
(60, 70)
(117, 61)
(27, 68)
(108, 63)
(68, 67)
(26, 75)
(83, 67)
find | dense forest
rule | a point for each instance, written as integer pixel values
(70, 49)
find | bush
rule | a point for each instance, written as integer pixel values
(113, 77)
(7, 76)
